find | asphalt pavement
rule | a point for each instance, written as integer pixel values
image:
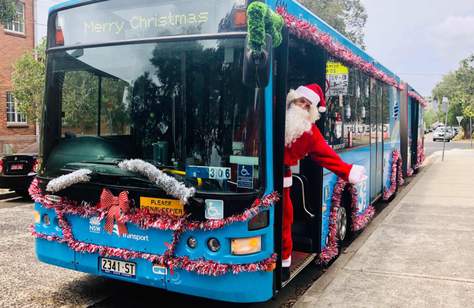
(432, 147)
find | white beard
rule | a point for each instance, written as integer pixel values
(299, 121)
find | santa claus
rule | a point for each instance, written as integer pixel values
(302, 138)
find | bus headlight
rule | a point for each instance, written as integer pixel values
(246, 246)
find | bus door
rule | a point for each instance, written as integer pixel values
(415, 111)
(409, 164)
(376, 140)
(306, 64)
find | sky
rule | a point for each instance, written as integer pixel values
(420, 40)
(42, 7)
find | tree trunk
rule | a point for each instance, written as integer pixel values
(465, 127)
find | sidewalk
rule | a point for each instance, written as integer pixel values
(417, 253)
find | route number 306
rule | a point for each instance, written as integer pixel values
(218, 173)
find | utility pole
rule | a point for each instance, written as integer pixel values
(470, 128)
(446, 106)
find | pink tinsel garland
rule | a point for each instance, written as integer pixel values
(420, 155)
(417, 97)
(146, 219)
(162, 221)
(358, 221)
(305, 30)
(396, 169)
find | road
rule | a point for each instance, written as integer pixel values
(25, 282)
(431, 147)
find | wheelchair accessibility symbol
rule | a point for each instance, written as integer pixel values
(245, 176)
(214, 209)
(244, 172)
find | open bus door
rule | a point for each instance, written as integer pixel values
(298, 63)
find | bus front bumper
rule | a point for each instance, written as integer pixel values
(245, 287)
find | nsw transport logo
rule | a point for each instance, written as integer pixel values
(94, 225)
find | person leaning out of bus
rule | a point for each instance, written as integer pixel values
(302, 138)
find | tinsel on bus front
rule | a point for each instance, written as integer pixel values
(145, 219)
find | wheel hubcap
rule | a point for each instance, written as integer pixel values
(341, 223)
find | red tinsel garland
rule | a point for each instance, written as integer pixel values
(358, 221)
(305, 30)
(162, 221)
(417, 97)
(396, 169)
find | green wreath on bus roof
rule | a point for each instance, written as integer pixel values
(263, 20)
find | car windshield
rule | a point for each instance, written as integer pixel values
(179, 105)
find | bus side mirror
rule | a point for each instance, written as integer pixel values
(256, 65)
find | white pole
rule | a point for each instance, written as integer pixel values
(470, 129)
(445, 100)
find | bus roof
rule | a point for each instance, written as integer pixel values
(296, 9)
(66, 4)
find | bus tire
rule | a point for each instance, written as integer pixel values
(344, 221)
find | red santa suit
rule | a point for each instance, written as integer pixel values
(302, 138)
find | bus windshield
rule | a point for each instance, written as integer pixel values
(180, 105)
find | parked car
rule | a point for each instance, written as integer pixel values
(443, 133)
(17, 171)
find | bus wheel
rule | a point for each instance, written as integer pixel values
(341, 224)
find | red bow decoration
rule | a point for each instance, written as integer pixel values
(115, 206)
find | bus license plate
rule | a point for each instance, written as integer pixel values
(117, 267)
(16, 167)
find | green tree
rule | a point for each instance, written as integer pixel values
(430, 117)
(28, 81)
(347, 16)
(458, 86)
(7, 10)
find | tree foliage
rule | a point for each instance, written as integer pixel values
(458, 87)
(7, 10)
(347, 16)
(28, 80)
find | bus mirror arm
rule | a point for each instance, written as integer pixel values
(256, 65)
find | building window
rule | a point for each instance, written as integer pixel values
(13, 115)
(18, 23)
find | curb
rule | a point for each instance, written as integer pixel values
(318, 288)
(8, 195)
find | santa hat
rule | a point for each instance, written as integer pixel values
(312, 93)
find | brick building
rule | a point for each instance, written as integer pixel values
(17, 134)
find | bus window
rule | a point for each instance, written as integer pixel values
(175, 104)
(387, 104)
(82, 94)
(306, 64)
(348, 122)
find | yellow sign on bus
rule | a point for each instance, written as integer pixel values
(336, 68)
(172, 206)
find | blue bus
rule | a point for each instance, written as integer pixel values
(161, 164)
